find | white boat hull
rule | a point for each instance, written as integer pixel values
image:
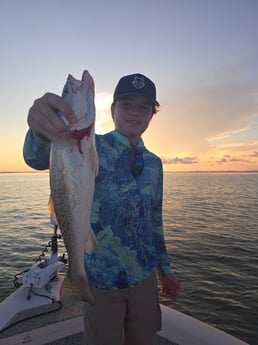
(185, 330)
(177, 327)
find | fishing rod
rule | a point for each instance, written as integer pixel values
(38, 287)
(45, 269)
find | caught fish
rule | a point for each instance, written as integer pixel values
(73, 168)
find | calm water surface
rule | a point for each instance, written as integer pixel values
(211, 229)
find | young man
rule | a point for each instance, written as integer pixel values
(126, 215)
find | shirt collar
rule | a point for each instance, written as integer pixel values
(124, 141)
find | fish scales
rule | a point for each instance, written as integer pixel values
(73, 168)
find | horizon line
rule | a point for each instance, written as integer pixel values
(172, 171)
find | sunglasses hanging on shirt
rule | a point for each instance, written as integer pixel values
(138, 162)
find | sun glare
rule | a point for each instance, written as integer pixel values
(104, 121)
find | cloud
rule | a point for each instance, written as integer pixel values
(254, 154)
(228, 159)
(177, 160)
(218, 106)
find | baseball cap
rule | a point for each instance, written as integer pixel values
(136, 85)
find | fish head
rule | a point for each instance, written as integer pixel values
(80, 95)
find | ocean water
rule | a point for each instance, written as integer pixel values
(211, 230)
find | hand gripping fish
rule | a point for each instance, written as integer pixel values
(73, 168)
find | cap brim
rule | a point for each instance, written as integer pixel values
(136, 94)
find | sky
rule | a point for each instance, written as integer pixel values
(201, 54)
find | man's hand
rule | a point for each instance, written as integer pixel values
(170, 287)
(43, 116)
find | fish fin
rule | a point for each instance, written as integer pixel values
(91, 242)
(96, 164)
(78, 290)
(94, 159)
(51, 211)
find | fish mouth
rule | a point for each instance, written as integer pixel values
(83, 123)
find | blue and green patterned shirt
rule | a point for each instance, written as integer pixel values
(126, 213)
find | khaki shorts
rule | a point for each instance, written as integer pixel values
(124, 317)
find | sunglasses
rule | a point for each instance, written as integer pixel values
(138, 162)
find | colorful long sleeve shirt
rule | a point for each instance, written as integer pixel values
(126, 213)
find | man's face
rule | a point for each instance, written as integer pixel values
(132, 116)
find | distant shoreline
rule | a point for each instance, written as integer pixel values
(214, 172)
(165, 172)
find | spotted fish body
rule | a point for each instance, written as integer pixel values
(73, 168)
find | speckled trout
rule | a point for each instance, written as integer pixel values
(73, 168)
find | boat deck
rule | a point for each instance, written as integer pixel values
(62, 327)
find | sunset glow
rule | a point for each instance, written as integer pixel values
(203, 57)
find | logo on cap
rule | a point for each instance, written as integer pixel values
(138, 82)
